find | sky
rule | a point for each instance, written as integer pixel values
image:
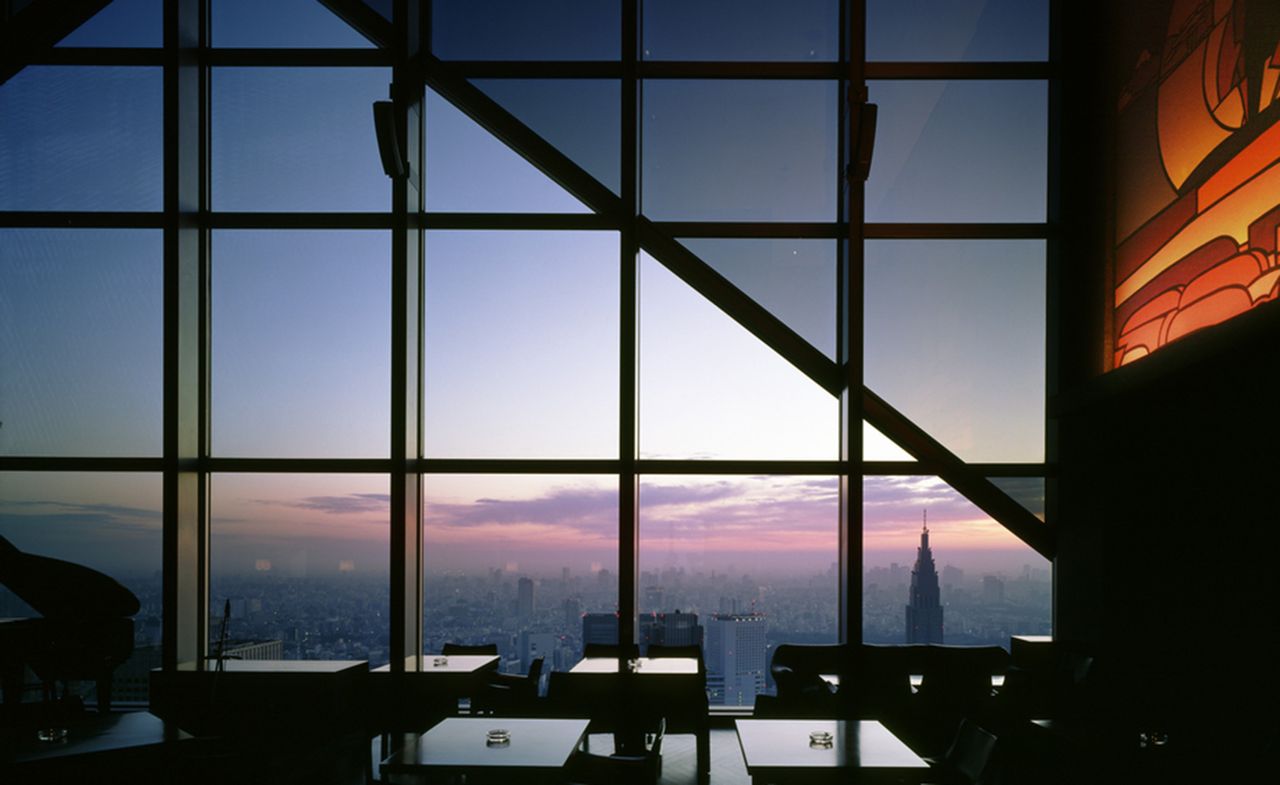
(521, 328)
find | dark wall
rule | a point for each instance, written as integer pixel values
(1169, 509)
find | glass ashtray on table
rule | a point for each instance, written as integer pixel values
(821, 739)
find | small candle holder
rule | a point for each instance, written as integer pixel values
(498, 737)
(820, 739)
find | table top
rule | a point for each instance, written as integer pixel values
(100, 733)
(460, 743)
(683, 666)
(783, 746)
(454, 663)
(916, 679)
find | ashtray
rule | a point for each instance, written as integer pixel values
(820, 738)
(440, 661)
(498, 737)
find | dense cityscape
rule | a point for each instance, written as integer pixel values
(346, 616)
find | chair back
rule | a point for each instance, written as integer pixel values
(970, 752)
(608, 650)
(461, 649)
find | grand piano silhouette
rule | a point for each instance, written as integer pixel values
(86, 629)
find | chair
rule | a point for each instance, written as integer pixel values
(969, 760)
(797, 674)
(688, 711)
(636, 760)
(461, 649)
(509, 694)
(591, 650)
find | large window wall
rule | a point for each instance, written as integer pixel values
(599, 356)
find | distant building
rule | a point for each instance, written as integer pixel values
(653, 598)
(952, 577)
(924, 606)
(600, 628)
(735, 655)
(254, 650)
(534, 645)
(572, 607)
(524, 597)
(992, 590)
(678, 629)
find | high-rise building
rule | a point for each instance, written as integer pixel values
(670, 629)
(924, 605)
(735, 655)
(524, 597)
(600, 628)
(678, 629)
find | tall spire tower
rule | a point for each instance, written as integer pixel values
(924, 606)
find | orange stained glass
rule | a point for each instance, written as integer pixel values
(1206, 251)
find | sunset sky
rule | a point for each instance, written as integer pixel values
(521, 343)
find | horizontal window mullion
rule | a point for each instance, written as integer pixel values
(273, 220)
(958, 231)
(81, 220)
(297, 58)
(954, 70)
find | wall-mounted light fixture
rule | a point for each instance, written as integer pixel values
(389, 146)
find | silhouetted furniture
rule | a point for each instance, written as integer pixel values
(593, 651)
(509, 694)
(673, 687)
(302, 698)
(85, 631)
(781, 751)
(636, 763)
(798, 671)
(125, 748)
(969, 760)
(419, 698)
(450, 649)
(538, 750)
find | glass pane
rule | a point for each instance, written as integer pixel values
(794, 279)
(959, 151)
(955, 341)
(878, 447)
(297, 139)
(581, 117)
(301, 562)
(108, 522)
(710, 389)
(81, 342)
(796, 30)
(301, 344)
(526, 562)
(739, 150)
(121, 23)
(931, 30)
(470, 170)
(1027, 491)
(523, 30)
(976, 584)
(280, 23)
(521, 346)
(754, 560)
(78, 138)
